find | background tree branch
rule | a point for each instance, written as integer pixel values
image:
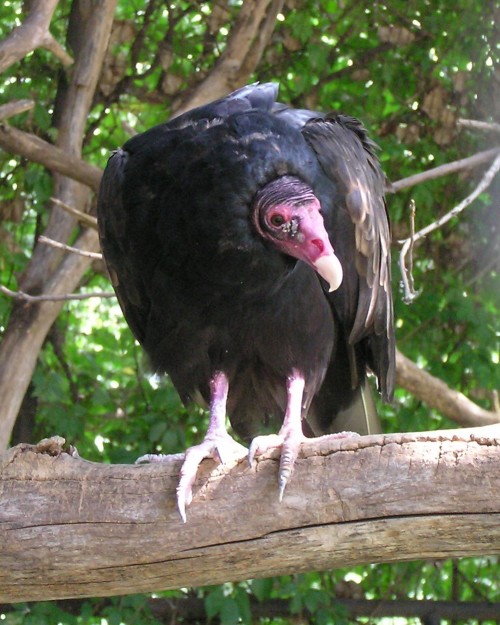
(249, 35)
(366, 499)
(50, 272)
(32, 34)
(54, 158)
(191, 609)
(438, 395)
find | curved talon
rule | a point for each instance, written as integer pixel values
(221, 448)
(290, 444)
(289, 452)
(261, 444)
(282, 482)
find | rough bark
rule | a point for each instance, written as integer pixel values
(71, 528)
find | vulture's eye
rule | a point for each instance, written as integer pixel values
(277, 220)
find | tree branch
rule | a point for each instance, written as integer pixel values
(15, 108)
(56, 159)
(71, 528)
(33, 33)
(85, 218)
(50, 272)
(436, 394)
(69, 248)
(484, 183)
(478, 125)
(192, 609)
(444, 170)
(26, 297)
(248, 37)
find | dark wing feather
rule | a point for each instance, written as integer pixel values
(364, 301)
(113, 226)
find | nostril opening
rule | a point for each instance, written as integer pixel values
(318, 243)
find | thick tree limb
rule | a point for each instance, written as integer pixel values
(33, 33)
(71, 528)
(438, 395)
(27, 331)
(53, 158)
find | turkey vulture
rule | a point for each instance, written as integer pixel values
(248, 245)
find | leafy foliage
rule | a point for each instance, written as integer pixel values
(408, 69)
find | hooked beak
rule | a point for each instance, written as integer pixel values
(329, 268)
(313, 247)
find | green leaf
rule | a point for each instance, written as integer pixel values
(214, 601)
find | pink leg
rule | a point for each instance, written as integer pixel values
(290, 437)
(217, 444)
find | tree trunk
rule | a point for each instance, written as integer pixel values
(49, 272)
(72, 528)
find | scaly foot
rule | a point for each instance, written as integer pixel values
(217, 445)
(290, 440)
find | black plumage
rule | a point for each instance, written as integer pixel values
(205, 225)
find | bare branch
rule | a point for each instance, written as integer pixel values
(26, 297)
(436, 394)
(52, 45)
(407, 272)
(33, 33)
(443, 170)
(35, 149)
(478, 125)
(408, 243)
(15, 108)
(69, 248)
(85, 218)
